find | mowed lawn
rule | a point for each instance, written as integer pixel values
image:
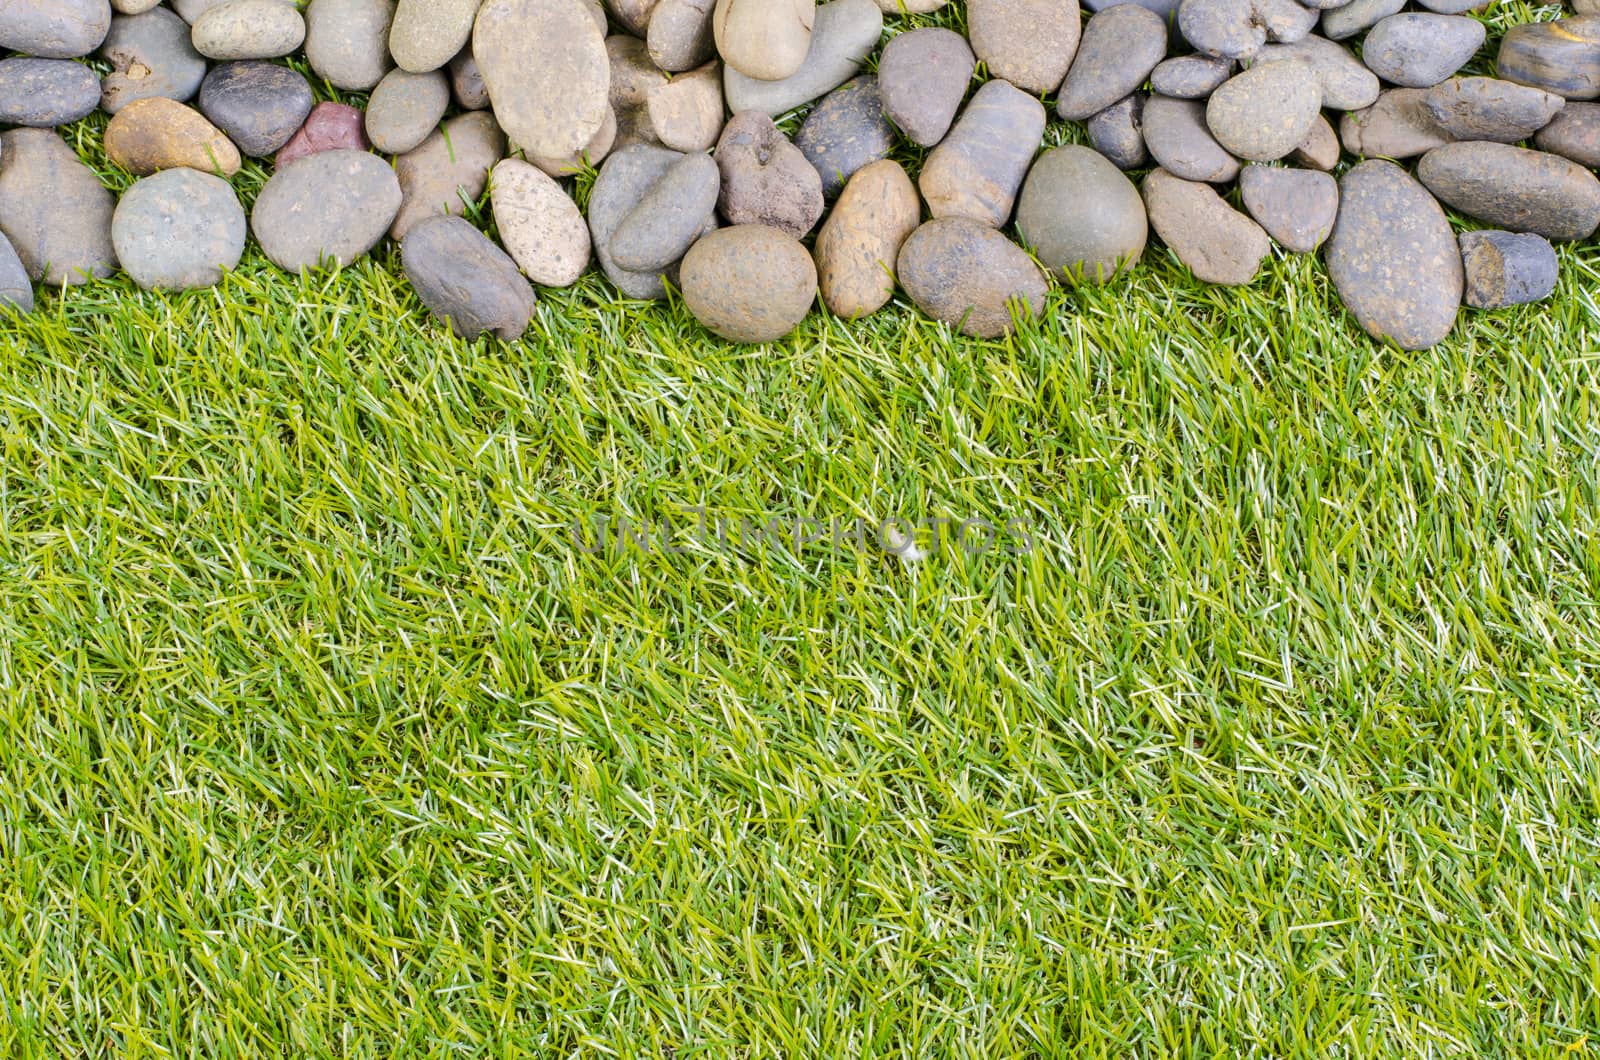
(323, 733)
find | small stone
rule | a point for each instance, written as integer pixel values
(258, 105)
(466, 82)
(329, 127)
(1175, 132)
(1561, 56)
(846, 32)
(347, 41)
(749, 283)
(466, 280)
(766, 180)
(1398, 125)
(405, 108)
(969, 276)
(1118, 133)
(1190, 76)
(540, 225)
(153, 134)
(427, 34)
(1084, 220)
(1121, 45)
(54, 210)
(979, 168)
(624, 180)
(923, 77)
(857, 249)
(1218, 243)
(1320, 148)
(1265, 112)
(680, 34)
(1507, 268)
(1393, 257)
(1030, 43)
(1295, 206)
(133, 7)
(1420, 50)
(846, 132)
(1573, 133)
(1512, 187)
(686, 113)
(332, 206)
(632, 15)
(764, 39)
(1485, 108)
(54, 29)
(249, 29)
(449, 170)
(179, 230)
(669, 218)
(191, 10)
(1462, 7)
(545, 66)
(15, 290)
(150, 55)
(1345, 83)
(44, 93)
(1347, 20)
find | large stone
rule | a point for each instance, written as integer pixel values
(1393, 257)
(1573, 133)
(465, 279)
(846, 132)
(1175, 132)
(624, 180)
(329, 127)
(545, 66)
(347, 41)
(54, 29)
(846, 32)
(1561, 56)
(659, 231)
(749, 283)
(427, 34)
(978, 169)
(923, 77)
(333, 207)
(542, 228)
(857, 249)
(45, 93)
(1420, 50)
(1507, 268)
(178, 230)
(1084, 220)
(967, 275)
(258, 105)
(1295, 206)
(249, 29)
(680, 35)
(150, 55)
(1218, 243)
(1398, 125)
(449, 171)
(1512, 187)
(766, 180)
(54, 210)
(15, 289)
(764, 39)
(153, 134)
(1485, 108)
(1121, 45)
(1265, 112)
(1030, 43)
(405, 108)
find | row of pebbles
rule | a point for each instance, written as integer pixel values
(1235, 115)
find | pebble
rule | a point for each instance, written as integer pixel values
(450, 169)
(1218, 243)
(1083, 219)
(329, 127)
(1398, 125)
(686, 113)
(15, 289)
(1238, 29)
(1512, 187)
(347, 42)
(1030, 43)
(1507, 268)
(857, 249)
(1393, 258)
(658, 231)
(334, 206)
(1485, 108)
(846, 32)
(749, 283)
(1265, 112)
(46, 92)
(1320, 148)
(54, 210)
(1420, 50)
(1190, 76)
(54, 29)
(153, 134)
(1175, 132)
(1561, 56)
(1118, 133)
(545, 66)
(625, 179)
(632, 15)
(1346, 84)
(764, 39)
(249, 29)
(179, 230)
(680, 34)
(1573, 133)
(1347, 20)
(846, 132)
(969, 276)
(923, 77)
(259, 105)
(466, 82)
(1121, 45)
(979, 168)
(465, 279)
(541, 227)
(405, 108)
(427, 34)
(150, 55)
(1295, 206)
(767, 180)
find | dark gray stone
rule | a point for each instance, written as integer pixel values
(1507, 268)
(1295, 206)
(923, 77)
(333, 206)
(624, 180)
(1511, 187)
(464, 278)
(179, 230)
(1083, 219)
(1121, 45)
(46, 92)
(15, 290)
(1175, 132)
(54, 209)
(766, 180)
(405, 108)
(1574, 133)
(150, 55)
(969, 276)
(466, 82)
(1486, 108)
(665, 224)
(845, 132)
(1118, 132)
(54, 29)
(259, 105)
(1420, 50)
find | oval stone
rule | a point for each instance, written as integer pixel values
(465, 279)
(405, 108)
(764, 39)
(1190, 76)
(332, 206)
(54, 209)
(259, 105)
(766, 180)
(44, 93)
(249, 29)
(545, 67)
(449, 170)
(54, 29)
(1218, 243)
(427, 34)
(1265, 112)
(846, 132)
(670, 217)
(1512, 187)
(1347, 20)
(969, 276)
(540, 225)
(347, 41)
(1398, 125)
(1118, 133)
(150, 55)
(680, 37)
(1175, 132)
(686, 113)
(1573, 133)
(923, 77)
(1295, 206)
(846, 32)
(749, 283)
(1486, 108)
(1121, 45)
(625, 179)
(1420, 50)
(857, 249)
(978, 169)
(1561, 56)
(1030, 43)
(153, 134)
(1084, 220)
(178, 230)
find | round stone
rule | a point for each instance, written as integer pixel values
(1121, 45)
(54, 29)
(329, 207)
(1295, 206)
(1030, 43)
(329, 127)
(669, 218)
(465, 279)
(1561, 56)
(347, 41)
(1265, 112)
(857, 249)
(427, 34)
(766, 180)
(1420, 50)
(178, 230)
(150, 55)
(540, 225)
(763, 39)
(1507, 268)
(1398, 125)
(259, 105)
(1175, 132)
(846, 32)
(449, 170)
(54, 210)
(1512, 187)
(44, 93)
(405, 108)
(1190, 76)
(686, 113)
(749, 283)
(545, 67)
(978, 169)
(249, 29)
(969, 276)
(922, 78)
(1486, 108)
(1084, 220)
(1218, 243)
(153, 134)
(466, 82)
(846, 132)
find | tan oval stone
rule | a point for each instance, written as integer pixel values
(859, 245)
(686, 113)
(545, 68)
(149, 135)
(764, 39)
(449, 170)
(539, 224)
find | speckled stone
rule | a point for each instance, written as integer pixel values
(347, 42)
(1347, 20)
(54, 209)
(54, 29)
(857, 249)
(1512, 187)
(249, 29)
(1418, 50)
(1561, 56)
(1320, 149)
(680, 36)
(1507, 268)
(179, 230)
(542, 228)
(150, 55)
(44, 93)
(1030, 43)
(1190, 76)
(465, 279)
(1345, 83)
(749, 283)
(1238, 29)
(1175, 132)
(969, 276)
(1485, 108)
(1295, 206)
(979, 168)
(1573, 133)
(846, 132)
(766, 180)
(1265, 112)
(405, 108)
(427, 34)
(1218, 243)
(332, 206)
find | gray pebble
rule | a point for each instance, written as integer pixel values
(259, 105)
(1121, 45)
(665, 224)
(1573, 133)
(1118, 132)
(923, 77)
(1345, 83)
(150, 55)
(1295, 206)
(332, 206)
(54, 209)
(845, 33)
(464, 278)
(54, 29)
(1398, 125)
(405, 108)
(1176, 134)
(179, 230)
(1512, 187)
(46, 92)
(15, 289)
(624, 180)
(1486, 108)
(1265, 112)
(347, 41)
(1420, 50)
(249, 29)
(1190, 76)
(1218, 243)
(1084, 220)
(1347, 20)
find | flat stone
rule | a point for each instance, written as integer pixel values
(427, 34)
(405, 108)
(1084, 220)
(249, 29)
(1573, 133)
(686, 113)
(1118, 133)
(1393, 258)
(1218, 243)
(179, 230)
(857, 249)
(1398, 125)
(624, 180)
(967, 275)
(329, 127)
(449, 170)
(979, 168)
(923, 77)
(150, 55)
(1347, 20)
(1512, 187)
(1320, 148)
(749, 283)
(1507, 268)
(54, 210)
(1175, 132)
(44, 93)
(1030, 43)
(1295, 206)
(1345, 83)
(1420, 50)
(680, 35)
(1265, 112)
(545, 66)
(764, 39)
(1190, 76)
(259, 105)
(846, 32)
(1561, 56)
(347, 42)
(1485, 108)
(1121, 45)
(542, 228)
(15, 289)
(846, 132)
(333, 206)
(766, 180)
(466, 280)
(153, 134)
(54, 29)
(669, 218)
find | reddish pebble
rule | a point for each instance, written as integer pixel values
(330, 127)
